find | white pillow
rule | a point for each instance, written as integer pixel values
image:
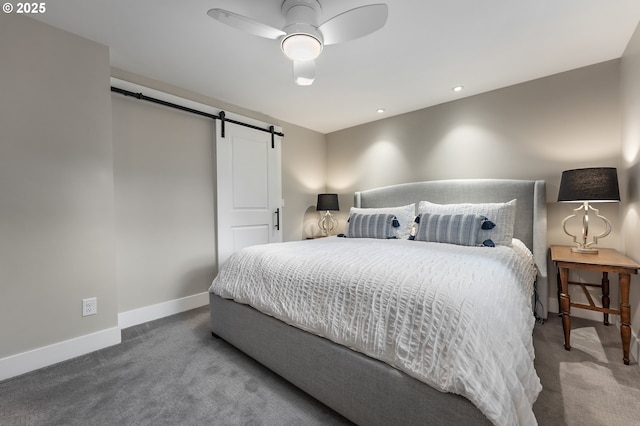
(502, 214)
(404, 214)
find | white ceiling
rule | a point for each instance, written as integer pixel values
(426, 48)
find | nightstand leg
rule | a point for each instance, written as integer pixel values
(625, 316)
(559, 286)
(565, 307)
(605, 296)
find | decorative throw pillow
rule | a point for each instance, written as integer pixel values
(404, 214)
(460, 229)
(503, 215)
(372, 225)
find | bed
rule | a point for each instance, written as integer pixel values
(353, 377)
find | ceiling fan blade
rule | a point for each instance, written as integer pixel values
(354, 23)
(304, 72)
(245, 24)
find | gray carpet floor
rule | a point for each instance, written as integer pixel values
(589, 385)
(172, 372)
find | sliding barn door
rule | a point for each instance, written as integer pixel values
(249, 189)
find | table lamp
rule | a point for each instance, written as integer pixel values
(590, 185)
(327, 203)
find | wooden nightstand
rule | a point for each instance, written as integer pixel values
(606, 261)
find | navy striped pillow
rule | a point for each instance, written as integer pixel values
(372, 226)
(461, 229)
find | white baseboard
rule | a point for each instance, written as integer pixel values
(25, 362)
(552, 305)
(634, 348)
(45, 356)
(161, 310)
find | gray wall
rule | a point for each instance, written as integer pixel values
(528, 131)
(164, 178)
(303, 158)
(630, 171)
(60, 217)
(95, 208)
(303, 177)
(56, 186)
(533, 130)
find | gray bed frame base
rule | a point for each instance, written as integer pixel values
(364, 390)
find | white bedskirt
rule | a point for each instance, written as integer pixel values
(457, 318)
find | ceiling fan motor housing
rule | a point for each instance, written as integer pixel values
(301, 17)
(302, 39)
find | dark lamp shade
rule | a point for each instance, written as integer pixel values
(595, 184)
(327, 202)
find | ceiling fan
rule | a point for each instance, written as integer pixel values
(301, 38)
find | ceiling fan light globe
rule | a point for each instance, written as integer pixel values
(304, 73)
(301, 81)
(301, 47)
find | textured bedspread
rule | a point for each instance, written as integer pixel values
(458, 318)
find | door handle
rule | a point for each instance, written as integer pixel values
(278, 219)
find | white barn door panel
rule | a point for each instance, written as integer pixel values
(249, 189)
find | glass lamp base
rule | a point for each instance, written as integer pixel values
(327, 223)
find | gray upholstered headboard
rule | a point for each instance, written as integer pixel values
(531, 213)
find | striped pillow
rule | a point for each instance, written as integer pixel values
(404, 214)
(501, 214)
(461, 229)
(372, 226)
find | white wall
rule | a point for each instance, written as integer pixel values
(56, 187)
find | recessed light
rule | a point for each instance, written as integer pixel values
(458, 88)
(380, 110)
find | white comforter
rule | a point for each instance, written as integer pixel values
(458, 318)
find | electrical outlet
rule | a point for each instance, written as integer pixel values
(89, 306)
